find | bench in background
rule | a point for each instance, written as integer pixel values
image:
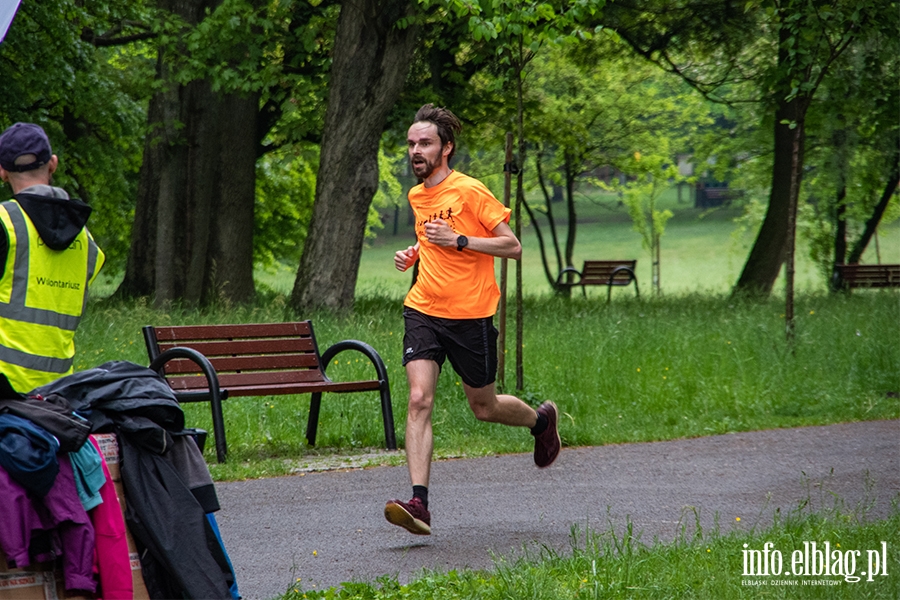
(209, 363)
(866, 276)
(601, 272)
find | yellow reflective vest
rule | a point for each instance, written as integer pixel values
(43, 293)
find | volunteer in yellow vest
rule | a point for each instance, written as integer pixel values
(448, 313)
(47, 261)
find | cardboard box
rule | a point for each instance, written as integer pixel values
(28, 585)
(109, 448)
(140, 590)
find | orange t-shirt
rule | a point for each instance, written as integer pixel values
(453, 284)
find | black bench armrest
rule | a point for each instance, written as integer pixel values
(214, 395)
(566, 271)
(384, 389)
(363, 347)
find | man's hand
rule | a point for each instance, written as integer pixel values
(404, 259)
(439, 233)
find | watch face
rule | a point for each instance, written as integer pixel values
(461, 242)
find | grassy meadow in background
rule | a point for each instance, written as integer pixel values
(691, 362)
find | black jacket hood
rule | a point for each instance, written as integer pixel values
(57, 220)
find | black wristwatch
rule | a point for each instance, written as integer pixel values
(461, 242)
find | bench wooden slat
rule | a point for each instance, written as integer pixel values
(225, 332)
(869, 276)
(262, 359)
(210, 349)
(246, 363)
(598, 272)
(246, 381)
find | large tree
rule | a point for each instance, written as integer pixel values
(190, 239)
(373, 47)
(236, 79)
(784, 49)
(810, 40)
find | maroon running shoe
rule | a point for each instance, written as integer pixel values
(412, 516)
(547, 444)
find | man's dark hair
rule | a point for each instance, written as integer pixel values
(446, 122)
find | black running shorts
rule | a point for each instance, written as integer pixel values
(470, 344)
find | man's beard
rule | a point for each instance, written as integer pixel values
(424, 169)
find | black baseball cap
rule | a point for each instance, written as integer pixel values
(22, 139)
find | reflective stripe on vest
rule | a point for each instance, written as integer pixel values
(36, 342)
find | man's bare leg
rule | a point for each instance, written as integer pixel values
(413, 516)
(509, 410)
(503, 409)
(422, 376)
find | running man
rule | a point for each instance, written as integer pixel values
(448, 313)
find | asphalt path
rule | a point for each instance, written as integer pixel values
(327, 528)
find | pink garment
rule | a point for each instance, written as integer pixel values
(60, 512)
(111, 559)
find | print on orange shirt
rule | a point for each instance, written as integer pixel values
(453, 284)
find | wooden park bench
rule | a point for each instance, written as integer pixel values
(601, 272)
(710, 197)
(866, 276)
(209, 363)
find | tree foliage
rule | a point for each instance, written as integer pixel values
(777, 52)
(593, 105)
(79, 69)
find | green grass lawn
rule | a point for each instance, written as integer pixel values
(624, 372)
(690, 363)
(701, 252)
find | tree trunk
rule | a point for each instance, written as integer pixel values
(768, 252)
(572, 166)
(872, 224)
(231, 242)
(840, 235)
(193, 231)
(140, 268)
(371, 60)
(552, 276)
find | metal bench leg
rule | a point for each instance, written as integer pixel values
(215, 404)
(312, 423)
(387, 415)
